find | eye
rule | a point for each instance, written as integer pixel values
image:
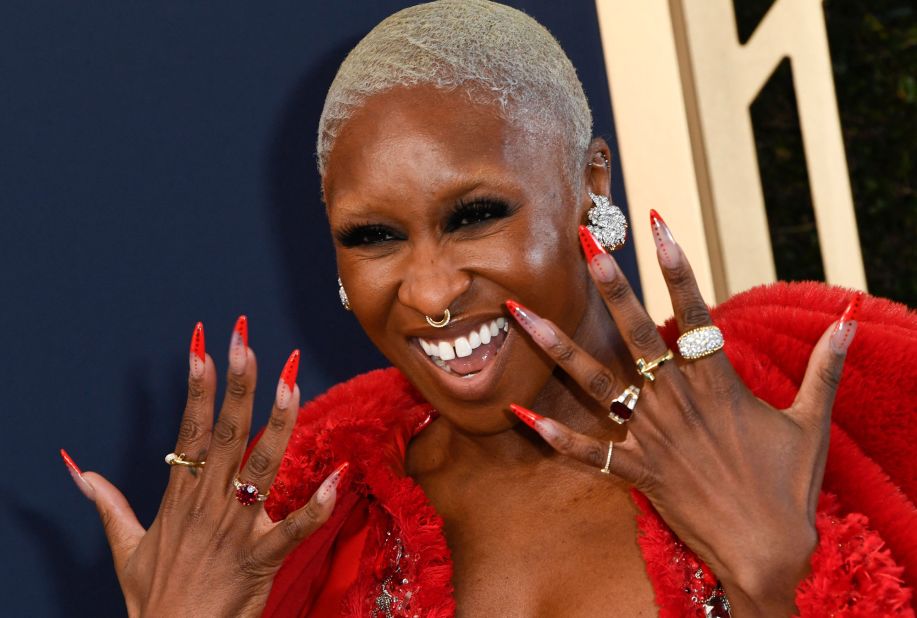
(361, 235)
(478, 211)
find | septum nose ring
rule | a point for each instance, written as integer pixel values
(447, 317)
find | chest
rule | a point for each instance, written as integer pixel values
(544, 552)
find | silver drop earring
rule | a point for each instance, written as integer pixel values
(606, 222)
(343, 294)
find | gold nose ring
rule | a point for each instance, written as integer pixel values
(447, 317)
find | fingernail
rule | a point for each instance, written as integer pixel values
(77, 475)
(197, 356)
(666, 248)
(533, 325)
(238, 346)
(544, 426)
(591, 246)
(846, 327)
(328, 490)
(287, 381)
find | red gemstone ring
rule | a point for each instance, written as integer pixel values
(622, 408)
(247, 494)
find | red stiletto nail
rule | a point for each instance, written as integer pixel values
(238, 346)
(527, 416)
(77, 475)
(846, 327)
(198, 353)
(287, 380)
(532, 323)
(591, 246)
(666, 247)
(328, 489)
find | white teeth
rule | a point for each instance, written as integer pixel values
(462, 347)
(474, 340)
(494, 329)
(425, 346)
(446, 351)
(485, 334)
(501, 322)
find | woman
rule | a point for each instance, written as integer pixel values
(458, 171)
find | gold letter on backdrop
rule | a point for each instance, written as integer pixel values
(681, 88)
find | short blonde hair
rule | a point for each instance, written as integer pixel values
(495, 53)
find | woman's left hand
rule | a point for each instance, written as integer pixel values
(736, 479)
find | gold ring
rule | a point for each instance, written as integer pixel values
(447, 317)
(247, 494)
(646, 368)
(607, 468)
(700, 342)
(179, 460)
(622, 408)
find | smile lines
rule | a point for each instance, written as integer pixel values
(462, 347)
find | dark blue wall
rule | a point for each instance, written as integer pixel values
(156, 169)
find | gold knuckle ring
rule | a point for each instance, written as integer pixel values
(179, 460)
(646, 368)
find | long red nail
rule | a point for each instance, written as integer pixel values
(533, 324)
(591, 246)
(328, 489)
(527, 416)
(77, 475)
(287, 380)
(666, 247)
(238, 346)
(198, 352)
(846, 327)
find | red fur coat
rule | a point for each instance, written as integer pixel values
(383, 552)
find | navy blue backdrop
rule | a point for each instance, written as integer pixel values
(156, 168)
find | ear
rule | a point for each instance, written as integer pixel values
(596, 173)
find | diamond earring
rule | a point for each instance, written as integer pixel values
(607, 222)
(343, 294)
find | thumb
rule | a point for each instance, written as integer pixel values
(122, 529)
(812, 407)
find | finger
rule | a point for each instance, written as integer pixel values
(637, 329)
(122, 529)
(197, 419)
(594, 377)
(586, 449)
(812, 407)
(230, 433)
(264, 460)
(301, 523)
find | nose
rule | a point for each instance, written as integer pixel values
(432, 282)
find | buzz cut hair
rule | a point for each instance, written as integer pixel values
(495, 54)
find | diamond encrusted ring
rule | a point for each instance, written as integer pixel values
(247, 494)
(700, 342)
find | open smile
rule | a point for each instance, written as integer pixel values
(465, 361)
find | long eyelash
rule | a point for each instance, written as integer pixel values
(479, 209)
(357, 234)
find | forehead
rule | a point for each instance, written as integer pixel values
(421, 139)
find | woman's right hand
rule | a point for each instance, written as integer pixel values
(206, 553)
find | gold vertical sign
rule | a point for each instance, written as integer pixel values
(681, 86)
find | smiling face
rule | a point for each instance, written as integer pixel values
(436, 202)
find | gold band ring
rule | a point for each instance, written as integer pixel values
(646, 368)
(700, 342)
(447, 317)
(179, 460)
(607, 468)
